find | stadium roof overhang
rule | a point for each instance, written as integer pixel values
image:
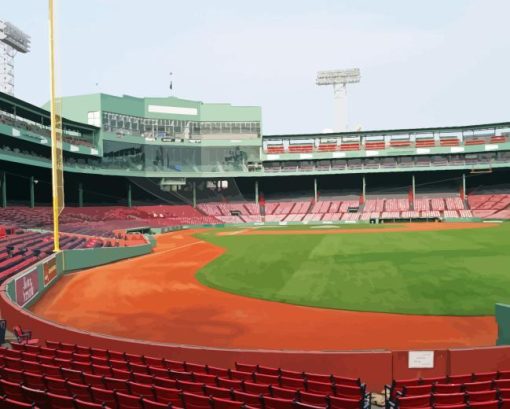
(33, 113)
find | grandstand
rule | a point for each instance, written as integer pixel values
(200, 263)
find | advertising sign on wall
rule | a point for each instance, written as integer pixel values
(27, 287)
(50, 271)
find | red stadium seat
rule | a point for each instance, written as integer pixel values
(99, 360)
(217, 392)
(312, 398)
(342, 380)
(448, 388)
(116, 384)
(292, 374)
(36, 396)
(292, 383)
(335, 402)
(277, 403)
(168, 395)
(55, 385)
(241, 376)
(99, 369)
(51, 370)
(230, 383)
(448, 398)
(150, 404)
(267, 370)
(11, 389)
(79, 390)
(13, 375)
(301, 405)
(319, 387)
(9, 403)
(485, 376)
(181, 376)
(255, 388)
(404, 402)
(268, 379)
(492, 404)
(460, 378)
(192, 387)
(82, 404)
(72, 374)
(220, 372)
(497, 383)
(125, 401)
(35, 381)
(13, 363)
(482, 396)
(351, 392)
(218, 403)
(93, 380)
(204, 378)
(153, 361)
(139, 389)
(417, 390)
(175, 365)
(477, 386)
(157, 371)
(139, 368)
(80, 349)
(99, 352)
(164, 382)
(283, 393)
(250, 399)
(100, 395)
(141, 378)
(126, 375)
(60, 401)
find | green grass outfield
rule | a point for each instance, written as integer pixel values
(446, 272)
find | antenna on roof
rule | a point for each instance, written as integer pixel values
(171, 82)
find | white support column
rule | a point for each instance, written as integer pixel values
(315, 195)
(364, 190)
(464, 186)
(414, 187)
(340, 93)
(257, 191)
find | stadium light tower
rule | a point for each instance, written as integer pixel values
(339, 79)
(12, 41)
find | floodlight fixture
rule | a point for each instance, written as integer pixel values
(339, 80)
(12, 41)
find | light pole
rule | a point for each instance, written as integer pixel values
(339, 79)
(12, 41)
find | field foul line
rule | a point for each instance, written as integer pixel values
(233, 233)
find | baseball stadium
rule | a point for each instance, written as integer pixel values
(161, 252)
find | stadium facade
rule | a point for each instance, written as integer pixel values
(120, 150)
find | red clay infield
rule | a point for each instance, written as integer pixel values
(157, 298)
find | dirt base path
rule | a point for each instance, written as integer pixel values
(157, 298)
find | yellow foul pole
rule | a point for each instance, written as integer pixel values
(54, 130)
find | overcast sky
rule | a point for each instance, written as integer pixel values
(423, 63)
